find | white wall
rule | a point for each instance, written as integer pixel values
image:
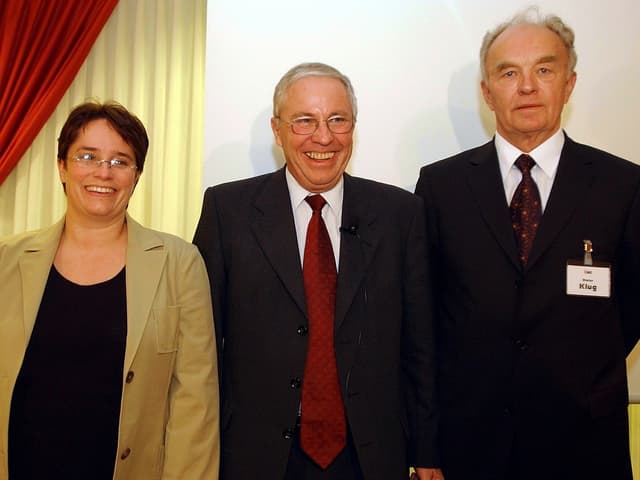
(414, 67)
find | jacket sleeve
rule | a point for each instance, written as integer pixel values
(629, 281)
(192, 445)
(419, 347)
(208, 239)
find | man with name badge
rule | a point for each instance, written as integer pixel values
(535, 241)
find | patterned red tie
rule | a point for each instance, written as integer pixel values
(526, 210)
(323, 423)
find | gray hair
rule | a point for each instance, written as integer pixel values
(311, 70)
(532, 16)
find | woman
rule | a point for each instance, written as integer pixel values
(107, 357)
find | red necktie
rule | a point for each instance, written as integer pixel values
(526, 210)
(323, 423)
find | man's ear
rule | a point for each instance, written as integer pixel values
(571, 83)
(486, 93)
(275, 124)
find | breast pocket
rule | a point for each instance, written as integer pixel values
(166, 321)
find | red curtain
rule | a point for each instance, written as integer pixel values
(43, 44)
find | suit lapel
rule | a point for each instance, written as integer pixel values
(35, 264)
(274, 228)
(573, 178)
(145, 261)
(356, 249)
(486, 185)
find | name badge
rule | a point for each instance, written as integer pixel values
(588, 278)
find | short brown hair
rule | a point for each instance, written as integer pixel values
(128, 126)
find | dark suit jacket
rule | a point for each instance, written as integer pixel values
(383, 335)
(531, 379)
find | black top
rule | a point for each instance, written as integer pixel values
(66, 402)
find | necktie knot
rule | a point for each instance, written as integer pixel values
(525, 163)
(316, 202)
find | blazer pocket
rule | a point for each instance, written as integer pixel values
(166, 321)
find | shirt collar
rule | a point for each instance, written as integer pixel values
(546, 155)
(333, 197)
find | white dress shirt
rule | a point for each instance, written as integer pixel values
(331, 213)
(546, 156)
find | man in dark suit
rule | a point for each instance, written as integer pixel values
(329, 378)
(535, 242)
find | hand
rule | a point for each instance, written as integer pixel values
(427, 474)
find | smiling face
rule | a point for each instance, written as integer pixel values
(528, 84)
(100, 193)
(317, 160)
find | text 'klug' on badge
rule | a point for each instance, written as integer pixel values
(588, 278)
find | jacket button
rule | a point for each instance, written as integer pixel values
(130, 376)
(125, 453)
(287, 434)
(302, 330)
(295, 383)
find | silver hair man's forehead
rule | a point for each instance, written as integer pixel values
(312, 69)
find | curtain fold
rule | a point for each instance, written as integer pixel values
(150, 56)
(44, 44)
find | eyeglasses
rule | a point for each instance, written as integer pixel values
(90, 162)
(308, 125)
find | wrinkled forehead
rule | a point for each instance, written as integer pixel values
(524, 40)
(316, 92)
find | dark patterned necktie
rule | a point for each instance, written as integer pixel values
(323, 423)
(526, 209)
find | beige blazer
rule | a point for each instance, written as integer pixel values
(169, 410)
